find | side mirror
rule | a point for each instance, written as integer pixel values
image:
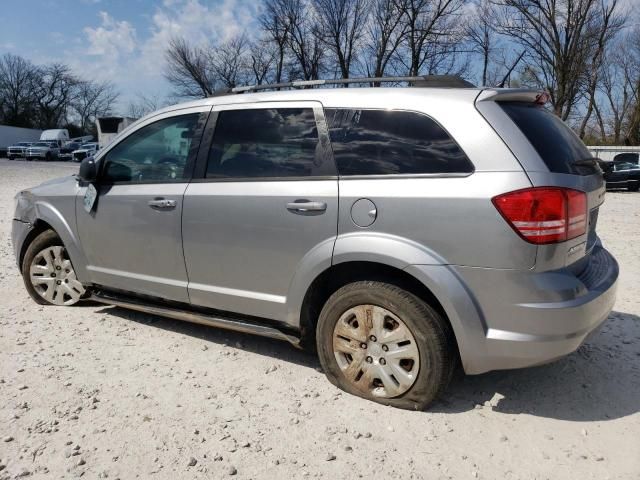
(88, 170)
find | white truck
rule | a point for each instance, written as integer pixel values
(58, 135)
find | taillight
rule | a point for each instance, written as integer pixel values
(544, 214)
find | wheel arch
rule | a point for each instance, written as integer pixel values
(437, 285)
(43, 216)
(39, 226)
(338, 275)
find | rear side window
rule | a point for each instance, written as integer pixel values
(262, 143)
(558, 146)
(386, 142)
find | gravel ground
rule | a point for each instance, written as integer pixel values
(107, 393)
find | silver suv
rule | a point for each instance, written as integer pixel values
(396, 230)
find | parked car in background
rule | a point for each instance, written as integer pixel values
(86, 150)
(43, 151)
(400, 231)
(18, 150)
(622, 175)
(67, 150)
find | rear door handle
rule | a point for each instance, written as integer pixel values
(162, 204)
(303, 206)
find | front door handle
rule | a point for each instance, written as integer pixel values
(162, 204)
(303, 206)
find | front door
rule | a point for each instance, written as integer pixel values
(132, 238)
(266, 203)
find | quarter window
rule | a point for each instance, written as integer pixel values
(260, 143)
(157, 152)
(385, 142)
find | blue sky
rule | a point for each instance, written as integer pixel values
(118, 40)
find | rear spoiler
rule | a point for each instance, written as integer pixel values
(513, 95)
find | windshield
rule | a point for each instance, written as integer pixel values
(40, 144)
(23, 144)
(89, 146)
(559, 147)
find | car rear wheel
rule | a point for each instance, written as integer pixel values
(48, 273)
(380, 342)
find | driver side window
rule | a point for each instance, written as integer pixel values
(155, 153)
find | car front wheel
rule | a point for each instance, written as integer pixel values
(48, 273)
(383, 343)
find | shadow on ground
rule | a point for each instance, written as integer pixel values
(600, 381)
(277, 349)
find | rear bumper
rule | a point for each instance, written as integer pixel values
(531, 318)
(19, 232)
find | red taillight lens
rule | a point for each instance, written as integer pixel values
(545, 214)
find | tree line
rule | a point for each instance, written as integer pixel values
(585, 53)
(51, 96)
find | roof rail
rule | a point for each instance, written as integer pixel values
(433, 81)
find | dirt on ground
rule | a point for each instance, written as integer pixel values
(103, 392)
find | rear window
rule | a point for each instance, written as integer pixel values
(385, 142)
(558, 146)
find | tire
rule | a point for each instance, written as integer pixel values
(53, 280)
(633, 187)
(47, 157)
(429, 369)
(10, 157)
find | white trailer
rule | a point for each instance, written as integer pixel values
(10, 135)
(109, 127)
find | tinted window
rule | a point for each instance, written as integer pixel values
(558, 146)
(383, 142)
(627, 157)
(258, 143)
(155, 153)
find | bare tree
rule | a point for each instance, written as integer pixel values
(559, 37)
(19, 79)
(344, 23)
(262, 57)
(608, 27)
(93, 99)
(275, 24)
(385, 33)
(481, 34)
(228, 61)
(304, 39)
(145, 104)
(433, 35)
(56, 91)
(189, 69)
(632, 79)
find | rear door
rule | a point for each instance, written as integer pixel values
(266, 203)
(552, 155)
